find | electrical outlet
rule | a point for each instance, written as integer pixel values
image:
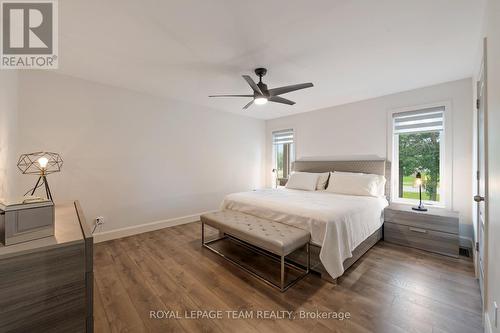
(495, 314)
(99, 220)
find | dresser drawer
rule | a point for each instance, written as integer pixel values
(422, 238)
(422, 220)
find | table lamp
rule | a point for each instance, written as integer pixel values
(41, 164)
(418, 181)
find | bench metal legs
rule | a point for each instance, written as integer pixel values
(283, 263)
(282, 272)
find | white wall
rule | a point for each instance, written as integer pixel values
(8, 127)
(361, 128)
(135, 158)
(492, 32)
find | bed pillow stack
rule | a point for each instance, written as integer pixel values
(308, 181)
(356, 184)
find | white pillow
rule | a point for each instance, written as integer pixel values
(303, 181)
(356, 184)
(381, 186)
(380, 179)
(322, 180)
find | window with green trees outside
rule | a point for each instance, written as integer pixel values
(419, 151)
(283, 154)
(418, 138)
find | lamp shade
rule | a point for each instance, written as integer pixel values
(40, 162)
(418, 179)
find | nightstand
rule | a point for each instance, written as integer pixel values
(435, 230)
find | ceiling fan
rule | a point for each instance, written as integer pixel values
(261, 95)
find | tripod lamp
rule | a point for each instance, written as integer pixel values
(41, 164)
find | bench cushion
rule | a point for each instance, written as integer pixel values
(275, 237)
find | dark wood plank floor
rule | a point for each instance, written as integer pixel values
(390, 289)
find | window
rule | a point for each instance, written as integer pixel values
(418, 146)
(283, 154)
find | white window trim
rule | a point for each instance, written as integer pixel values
(446, 155)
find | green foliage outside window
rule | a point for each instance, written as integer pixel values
(419, 152)
(279, 160)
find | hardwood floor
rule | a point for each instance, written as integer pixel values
(390, 289)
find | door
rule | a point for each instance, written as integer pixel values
(482, 173)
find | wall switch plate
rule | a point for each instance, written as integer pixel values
(495, 314)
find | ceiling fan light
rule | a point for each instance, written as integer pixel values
(260, 100)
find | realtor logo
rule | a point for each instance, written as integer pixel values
(29, 34)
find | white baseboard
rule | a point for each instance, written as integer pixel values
(487, 324)
(146, 227)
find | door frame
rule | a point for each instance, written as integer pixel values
(484, 247)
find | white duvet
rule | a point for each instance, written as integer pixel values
(338, 223)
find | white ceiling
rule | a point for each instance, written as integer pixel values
(189, 49)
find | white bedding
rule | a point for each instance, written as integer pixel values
(338, 223)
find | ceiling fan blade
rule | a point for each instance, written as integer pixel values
(230, 96)
(252, 84)
(287, 89)
(248, 105)
(281, 100)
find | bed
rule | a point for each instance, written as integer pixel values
(342, 227)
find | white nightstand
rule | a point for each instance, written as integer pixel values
(435, 230)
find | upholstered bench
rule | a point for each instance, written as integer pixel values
(277, 238)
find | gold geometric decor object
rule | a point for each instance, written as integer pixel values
(40, 163)
(30, 163)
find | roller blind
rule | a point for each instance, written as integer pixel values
(282, 137)
(425, 120)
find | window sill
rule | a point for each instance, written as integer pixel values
(411, 202)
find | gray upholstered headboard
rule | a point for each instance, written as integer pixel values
(377, 167)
